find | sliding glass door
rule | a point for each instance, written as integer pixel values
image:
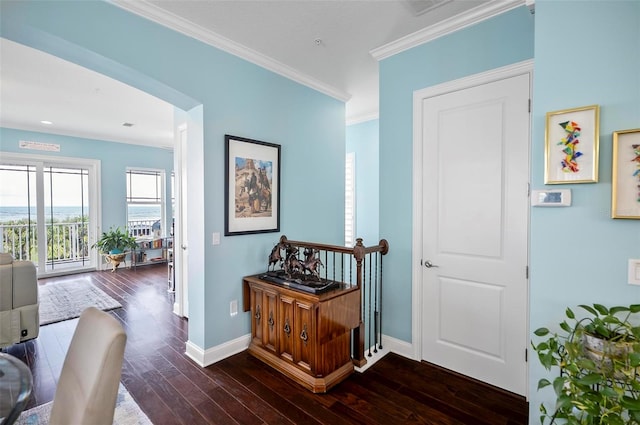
(48, 211)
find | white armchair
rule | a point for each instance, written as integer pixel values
(19, 307)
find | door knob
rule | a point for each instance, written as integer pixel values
(428, 264)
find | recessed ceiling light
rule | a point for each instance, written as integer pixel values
(127, 124)
(46, 122)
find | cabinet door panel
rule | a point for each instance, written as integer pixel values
(256, 315)
(285, 321)
(304, 336)
(270, 303)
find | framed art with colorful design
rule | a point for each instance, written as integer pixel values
(571, 145)
(625, 178)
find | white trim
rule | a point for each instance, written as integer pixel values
(212, 355)
(153, 13)
(363, 118)
(402, 348)
(471, 17)
(389, 345)
(418, 96)
(350, 198)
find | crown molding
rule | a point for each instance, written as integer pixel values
(358, 119)
(153, 13)
(448, 26)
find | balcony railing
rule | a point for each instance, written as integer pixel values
(141, 227)
(66, 242)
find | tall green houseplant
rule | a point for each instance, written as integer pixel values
(598, 358)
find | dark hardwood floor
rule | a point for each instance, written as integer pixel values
(172, 389)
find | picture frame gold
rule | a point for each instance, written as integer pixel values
(625, 174)
(572, 139)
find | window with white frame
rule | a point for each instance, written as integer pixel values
(350, 200)
(145, 202)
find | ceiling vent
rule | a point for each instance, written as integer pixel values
(419, 7)
(127, 124)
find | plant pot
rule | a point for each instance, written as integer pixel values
(604, 352)
(115, 251)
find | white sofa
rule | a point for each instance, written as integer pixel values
(19, 307)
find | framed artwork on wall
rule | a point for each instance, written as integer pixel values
(252, 186)
(571, 145)
(625, 176)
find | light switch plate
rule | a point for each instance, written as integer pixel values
(634, 272)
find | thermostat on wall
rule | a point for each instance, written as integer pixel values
(551, 198)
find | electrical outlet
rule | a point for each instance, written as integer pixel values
(233, 308)
(634, 272)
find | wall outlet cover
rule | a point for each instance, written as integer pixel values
(634, 272)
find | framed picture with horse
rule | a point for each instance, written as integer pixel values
(252, 186)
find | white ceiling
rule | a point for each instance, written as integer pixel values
(326, 45)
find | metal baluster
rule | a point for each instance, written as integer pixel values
(369, 318)
(380, 330)
(334, 266)
(375, 304)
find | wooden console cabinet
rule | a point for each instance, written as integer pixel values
(303, 335)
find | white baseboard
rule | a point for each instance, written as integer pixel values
(398, 346)
(212, 355)
(389, 345)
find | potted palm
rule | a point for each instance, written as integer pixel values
(115, 241)
(114, 244)
(598, 360)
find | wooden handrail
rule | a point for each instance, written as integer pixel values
(382, 247)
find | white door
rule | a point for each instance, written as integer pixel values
(475, 144)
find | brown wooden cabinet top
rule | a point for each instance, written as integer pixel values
(339, 290)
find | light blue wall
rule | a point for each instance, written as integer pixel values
(114, 160)
(362, 139)
(500, 41)
(579, 254)
(237, 98)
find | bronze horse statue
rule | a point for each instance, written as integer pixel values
(291, 263)
(275, 256)
(311, 263)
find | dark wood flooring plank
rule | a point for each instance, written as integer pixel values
(172, 389)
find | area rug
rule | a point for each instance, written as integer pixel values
(127, 412)
(66, 300)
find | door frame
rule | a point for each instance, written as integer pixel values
(180, 306)
(525, 67)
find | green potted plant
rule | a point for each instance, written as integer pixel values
(598, 359)
(115, 241)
